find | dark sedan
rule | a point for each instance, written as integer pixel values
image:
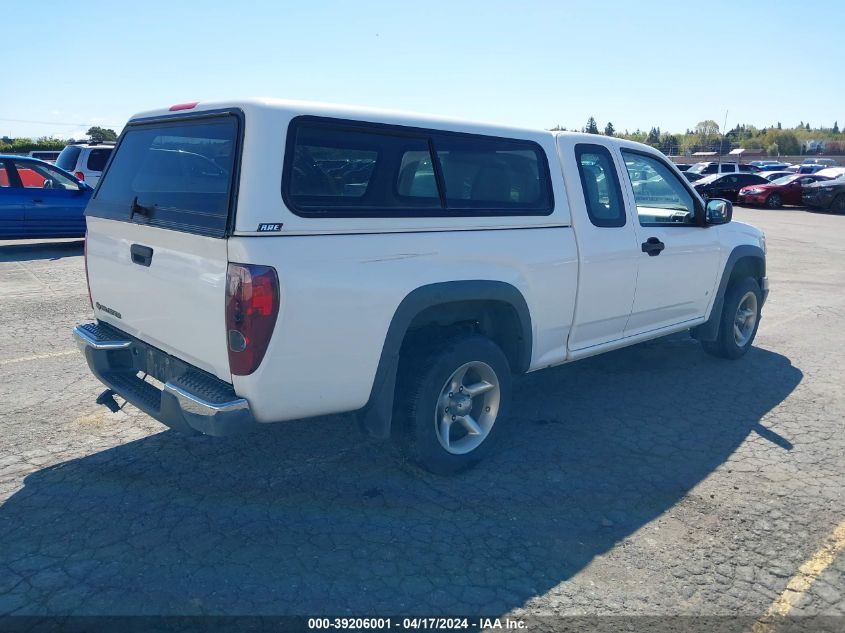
(40, 200)
(828, 195)
(727, 185)
(774, 175)
(785, 190)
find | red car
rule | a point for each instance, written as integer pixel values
(785, 190)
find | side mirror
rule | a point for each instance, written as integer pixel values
(718, 211)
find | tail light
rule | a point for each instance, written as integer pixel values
(184, 106)
(79, 175)
(85, 259)
(252, 305)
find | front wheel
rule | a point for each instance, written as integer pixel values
(774, 201)
(454, 398)
(739, 321)
(839, 203)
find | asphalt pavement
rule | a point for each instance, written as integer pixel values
(655, 480)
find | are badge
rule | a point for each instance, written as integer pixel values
(269, 227)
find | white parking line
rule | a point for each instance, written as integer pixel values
(24, 359)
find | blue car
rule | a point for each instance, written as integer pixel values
(38, 199)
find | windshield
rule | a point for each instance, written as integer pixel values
(784, 180)
(180, 172)
(67, 157)
(697, 168)
(708, 179)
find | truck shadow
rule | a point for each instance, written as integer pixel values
(299, 519)
(32, 251)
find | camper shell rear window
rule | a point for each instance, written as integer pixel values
(337, 168)
(178, 173)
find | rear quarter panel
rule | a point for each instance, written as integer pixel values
(340, 292)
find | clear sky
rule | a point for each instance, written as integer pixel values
(637, 63)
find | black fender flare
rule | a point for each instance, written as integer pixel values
(375, 416)
(709, 330)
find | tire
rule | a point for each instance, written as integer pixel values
(774, 201)
(436, 443)
(734, 338)
(838, 204)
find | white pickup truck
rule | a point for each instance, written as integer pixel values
(271, 260)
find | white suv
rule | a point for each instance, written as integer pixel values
(273, 260)
(714, 167)
(86, 160)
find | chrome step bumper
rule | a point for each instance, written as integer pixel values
(191, 400)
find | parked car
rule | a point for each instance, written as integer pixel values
(48, 156)
(768, 165)
(727, 186)
(773, 166)
(85, 160)
(826, 195)
(38, 199)
(832, 172)
(774, 175)
(826, 162)
(785, 190)
(806, 169)
(379, 288)
(715, 167)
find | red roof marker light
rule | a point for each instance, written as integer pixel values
(184, 106)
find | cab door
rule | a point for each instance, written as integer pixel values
(607, 247)
(677, 259)
(12, 203)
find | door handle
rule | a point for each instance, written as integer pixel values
(38, 200)
(141, 255)
(653, 246)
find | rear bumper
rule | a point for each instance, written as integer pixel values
(190, 400)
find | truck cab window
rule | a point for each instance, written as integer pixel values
(660, 196)
(602, 193)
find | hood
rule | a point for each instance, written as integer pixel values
(823, 184)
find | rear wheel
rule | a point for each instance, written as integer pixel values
(774, 201)
(739, 321)
(451, 399)
(839, 203)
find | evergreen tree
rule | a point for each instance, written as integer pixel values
(592, 127)
(808, 127)
(609, 129)
(779, 126)
(836, 127)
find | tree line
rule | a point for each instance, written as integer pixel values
(707, 136)
(10, 145)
